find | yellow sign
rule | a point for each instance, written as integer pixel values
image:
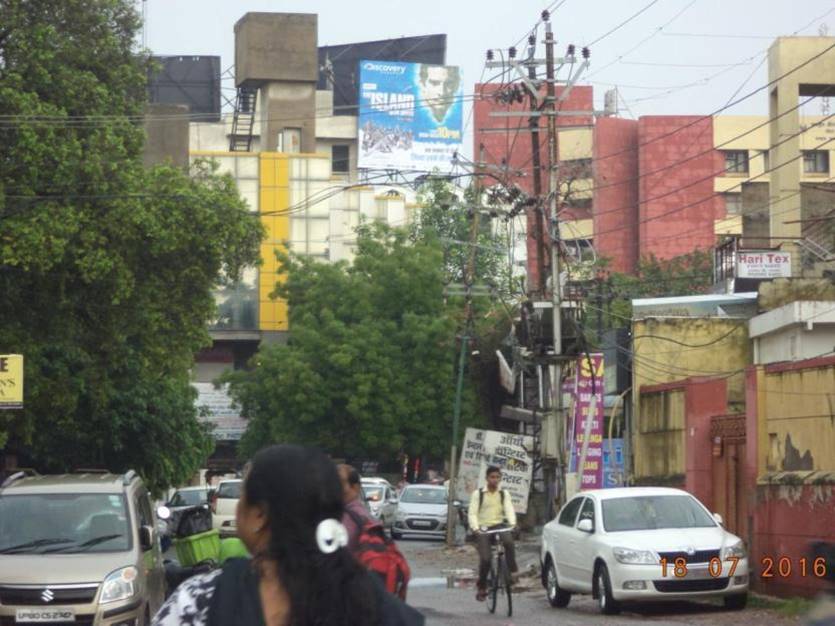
(11, 381)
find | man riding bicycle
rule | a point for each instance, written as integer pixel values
(491, 508)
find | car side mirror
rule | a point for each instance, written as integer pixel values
(457, 504)
(586, 526)
(718, 519)
(164, 513)
(146, 538)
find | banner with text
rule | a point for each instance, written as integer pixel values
(410, 115)
(512, 453)
(588, 384)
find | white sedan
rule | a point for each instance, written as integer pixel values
(641, 544)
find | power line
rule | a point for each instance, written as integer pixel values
(623, 23)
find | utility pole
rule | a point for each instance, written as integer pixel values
(536, 226)
(469, 279)
(556, 422)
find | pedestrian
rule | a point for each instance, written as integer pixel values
(356, 514)
(491, 508)
(301, 573)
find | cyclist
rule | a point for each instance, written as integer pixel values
(491, 507)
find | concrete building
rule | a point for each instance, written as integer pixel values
(664, 186)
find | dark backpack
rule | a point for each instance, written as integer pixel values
(380, 555)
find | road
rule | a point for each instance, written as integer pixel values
(449, 599)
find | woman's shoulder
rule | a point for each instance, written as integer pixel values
(189, 604)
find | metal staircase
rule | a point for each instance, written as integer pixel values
(816, 249)
(240, 140)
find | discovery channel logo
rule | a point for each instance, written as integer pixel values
(384, 67)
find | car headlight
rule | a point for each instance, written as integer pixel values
(735, 551)
(635, 557)
(120, 585)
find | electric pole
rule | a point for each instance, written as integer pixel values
(474, 214)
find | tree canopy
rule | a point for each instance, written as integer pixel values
(369, 367)
(107, 269)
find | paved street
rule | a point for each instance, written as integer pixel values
(430, 593)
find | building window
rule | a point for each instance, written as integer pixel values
(733, 203)
(766, 163)
(736, 161)
(816, 161)
(340, 159)
(290, 140)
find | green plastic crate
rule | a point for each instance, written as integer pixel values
(198, 548)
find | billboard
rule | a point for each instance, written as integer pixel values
(217, 408)
(588, 384)
(410, 115)
(11, 381)
(339, 65)
(190, 80)
(510, 452)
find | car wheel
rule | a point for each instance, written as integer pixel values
(736, 602)
(608, 605)
(559, 598)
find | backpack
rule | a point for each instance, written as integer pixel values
(481, 498)
(380, 555)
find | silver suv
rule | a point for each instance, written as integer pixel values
(79, 549)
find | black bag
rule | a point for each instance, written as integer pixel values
(193, 521)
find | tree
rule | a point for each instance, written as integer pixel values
(106, 269)
(369, 367)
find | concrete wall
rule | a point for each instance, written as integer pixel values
(288, 105)
(616, 192)
(167, 135)
(790, 468)
(797, 331)
(677, 216)
(276, 47)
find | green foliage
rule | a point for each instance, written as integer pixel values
(689, 274)
(106, 269)
(370, 363)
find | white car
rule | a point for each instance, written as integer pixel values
(422, 511)
(224, 507)
(641, 544)
(381, 498)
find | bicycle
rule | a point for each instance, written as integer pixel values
(498, 578)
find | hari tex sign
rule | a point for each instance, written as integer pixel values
(11, 381)
(763, 264)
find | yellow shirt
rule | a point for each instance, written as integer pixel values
(492, 510)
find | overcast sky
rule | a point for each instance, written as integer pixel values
(670, 59)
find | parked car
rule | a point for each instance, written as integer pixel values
(422, 511)
(382, 499)
(637, 543)
(79, 548)
(187, 497)
(224, 506)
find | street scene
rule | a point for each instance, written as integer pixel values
(385, 313)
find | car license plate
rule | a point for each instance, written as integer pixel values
(44, 616)
(422, 523)
(693, 573)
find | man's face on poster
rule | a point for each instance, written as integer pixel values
(438, 86)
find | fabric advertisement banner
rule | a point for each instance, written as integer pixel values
(483, 448)
(410, 115)
(588, 384)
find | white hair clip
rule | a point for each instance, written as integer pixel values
(331, 535)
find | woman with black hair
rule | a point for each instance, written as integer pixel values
(301, 574)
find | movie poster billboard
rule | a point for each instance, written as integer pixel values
(588, 384)
(410, 115)
(509, 451)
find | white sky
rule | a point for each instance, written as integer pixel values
(725, 64)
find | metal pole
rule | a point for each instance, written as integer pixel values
(469, 277)
(553, 184)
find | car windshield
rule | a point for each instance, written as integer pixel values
(63, 523)
(229, 490)
(192, 497)
(424, 496)
(651, 512)
(373, 493)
